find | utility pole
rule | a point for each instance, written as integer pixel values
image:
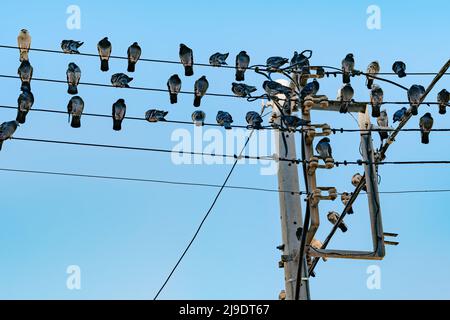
(290, 212)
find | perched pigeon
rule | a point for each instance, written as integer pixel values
(443, 99)
(242, 63)
(426, 124)
(415, 94)
(199, 118)
(75, 109)
(345, 97)
(324, 150)
(310, 89)
(187, 59)
(25, 72)
(348, 66)
(300, 62)
(7, 130)
(119, 110)
(254, 120)
(293, 122)
(218, 59)
(242, 90)
(174, 87)
(200, 88)
(224, 119)
(356, 180)
(274, 88)
(154, 115)
(383, 122)
(345, 198)
(317, 244)
(104, 51)
(120, 80)
(372, 70)
(334, 217)
(71, 46)
(376, 99)
(73, 78)
(400, 114)
(399, 67)
(134, 54)
(24, 43)
(24, 104)
(275, 63)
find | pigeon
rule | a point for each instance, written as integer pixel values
(199, 118)
(293, 122)
(324, 150)
(275, 63)
(415, 94)
(75, 109)
(24, 44)
(25, 72)
(426, 124)
(200, 88)
(104, 51)
(218, 59)
(383, 122)
(134, 54)
(120, 80)
(187, 59)
(348, 65)
(154, 115)
(372, 70)
(310, 89)
(399, 67)
(242, 90)
(376, 99)
(242, 63)
(317, 244)
(334, 217)
(399, 114)
(300, 62)
(7, 130)
(345, 198)
(71, 46)
(345, 97)
(174, 87)
(254, 120)
(73, 78)
(24, 104)
(119, 110)
(224, 119)
(274, 88)
(443, 99)
(356, 180)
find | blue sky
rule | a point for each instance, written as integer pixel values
(127, 236)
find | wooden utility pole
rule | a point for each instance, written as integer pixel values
(290, 212)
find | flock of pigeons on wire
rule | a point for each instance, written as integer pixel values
(299, 63)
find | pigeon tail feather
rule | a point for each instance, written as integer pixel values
(425, 137)
(104, 66)
(346, 78)
(26, 86)
(21, 116)
(376, 110)
(173, 98)
(23, 56)
(369, 84)
(131, 66)
(343, 228)
(117, 125)
(197, 101)
(240, 75)
(442, 109)
(76, 122)
(414, 110)
(188, 71)
(72, 89)
(227, 125)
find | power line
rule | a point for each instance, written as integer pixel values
(129, 179)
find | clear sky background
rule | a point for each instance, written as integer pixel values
(126, 236)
